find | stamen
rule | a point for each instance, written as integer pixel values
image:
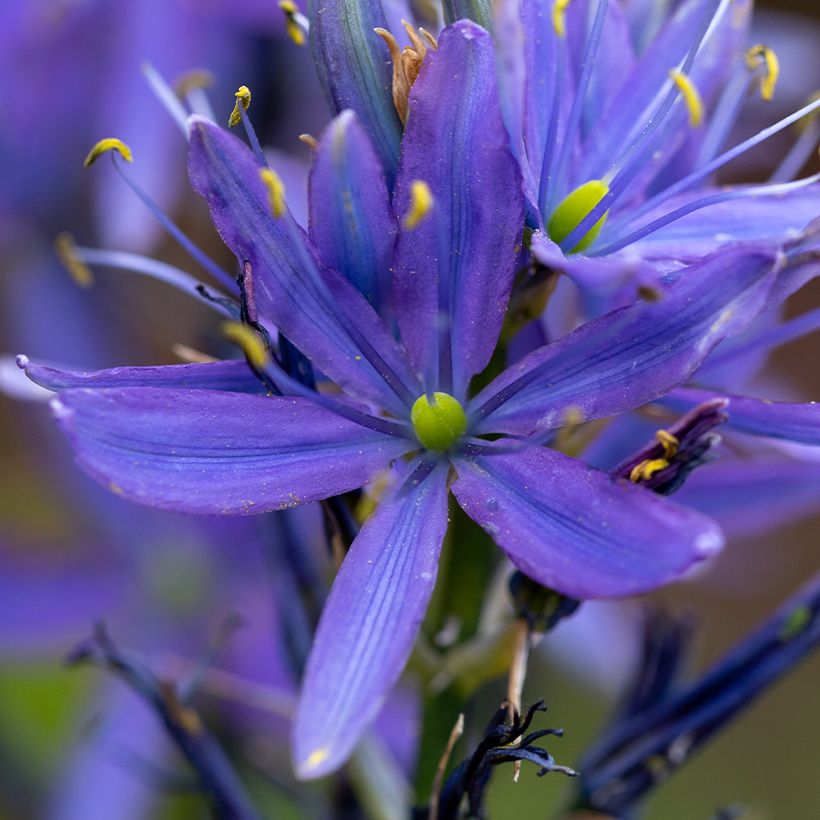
(167, 98)
(249, 340)
(106, 145)
(580, 97)
(191, 87)
(559, 17)
(724, 158)
(691, 97)
(627, 166)
(421, 203)
(276, 190)
(572, 210)
(67, 252)
(647, 468)
(194, 80)
(803, 148)
(763, 55)
(296, 23)
(190, 247)
(406, 63)
(309, 140)
(191, 355)
(75, 257)
(243, 98)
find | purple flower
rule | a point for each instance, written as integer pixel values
(206, 438)
(618, 131)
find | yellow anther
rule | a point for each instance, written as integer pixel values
(648, 467)
(293, 25)
(67, 252)
(243, 98)
(193, 80)
(406, 63)
(691, 97)
(250, 342)
(108, 144)
(276, 190)
(669, 443)
(309, 140)
(421, 203)
(763, 55)
(559, 17)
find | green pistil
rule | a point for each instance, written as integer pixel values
(438, 421)
(573, 209)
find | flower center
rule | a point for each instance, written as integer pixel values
(571, 211)
(438, 421)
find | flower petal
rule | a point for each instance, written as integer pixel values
(752, 497)
(202, 451)
(462, 256)
(776, 419)
(318, 310)
(354, 68)
(351, 223)
(633, 355)
(753, 218)
(370, 622)
(578, 530)
(233, 376)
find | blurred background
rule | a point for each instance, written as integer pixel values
(75, 743)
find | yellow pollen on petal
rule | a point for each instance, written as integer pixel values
(250, 342)
(193, 80)
(559, 17)
(106, 145)
(421, 203)
(243, 98)
(67, 251)
(316, 757)
(276, 190)
(691, 97)
(763, 55)
(295, 31)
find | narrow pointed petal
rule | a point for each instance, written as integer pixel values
(201, 451)
(232, 376)
(460, 260)
(354, 68)
(351, 223)
(776, 419)
(632, 355)
(754, 218)
(578, 530)
(752, 497)
(370, 622)
(317, 309)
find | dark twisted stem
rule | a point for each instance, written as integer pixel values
(215, 775)
(645, 746)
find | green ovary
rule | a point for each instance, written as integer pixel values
(438, 421)
(572, 210)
